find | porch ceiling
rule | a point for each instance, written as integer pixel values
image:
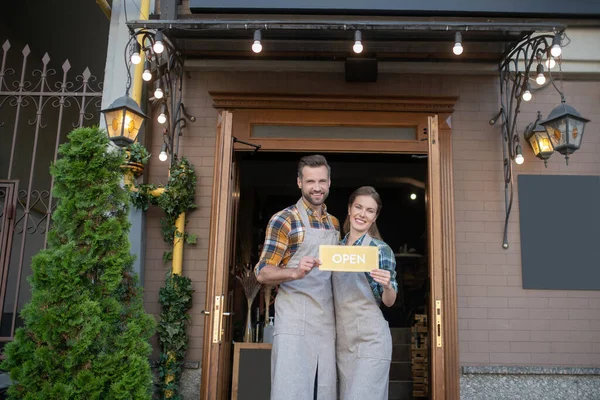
(331, 39)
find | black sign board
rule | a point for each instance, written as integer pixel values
(560, 228)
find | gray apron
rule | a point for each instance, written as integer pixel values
(364, 341)
(304, 337)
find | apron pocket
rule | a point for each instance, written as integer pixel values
(375, 338)
(290, 315)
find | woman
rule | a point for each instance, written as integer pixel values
(364, 341)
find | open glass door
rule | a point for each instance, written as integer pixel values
(216, 367)
(434, 210)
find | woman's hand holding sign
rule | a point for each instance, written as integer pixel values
(382, 276)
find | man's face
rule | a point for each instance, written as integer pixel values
(314, 184)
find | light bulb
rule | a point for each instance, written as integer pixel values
(147, 75)
(458, 48)
(358, 46)
(540, 79)
(257, 45)
(158, 47)
(556, 50)
(163, 153)
(519, 159)
(162, 117)
(550, 63)
(527, 93)
(413, 196)
(136, 58)
(158, 93)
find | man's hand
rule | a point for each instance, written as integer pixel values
(305, 265)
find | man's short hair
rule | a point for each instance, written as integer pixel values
(313, 161)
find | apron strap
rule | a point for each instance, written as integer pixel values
(367, 240)
(304, 216)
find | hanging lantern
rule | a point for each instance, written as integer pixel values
(564, 127)
(537, 137)
(124, 118)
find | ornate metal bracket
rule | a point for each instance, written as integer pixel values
(515, 87)
(167, 70)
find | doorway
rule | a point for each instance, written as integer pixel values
(268, 185)
(428, 139)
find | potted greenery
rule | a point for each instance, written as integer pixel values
(136, 158)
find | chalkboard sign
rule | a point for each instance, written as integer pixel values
(560, 231)
(251, 371)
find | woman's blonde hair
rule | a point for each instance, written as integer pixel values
(365, 191)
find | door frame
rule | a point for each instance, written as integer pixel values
(239, 111)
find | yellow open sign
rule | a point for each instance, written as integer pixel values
(348, 258)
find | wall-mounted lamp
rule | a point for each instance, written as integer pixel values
(123, 118)
(537, 137)
(561, 131)
(564, 127)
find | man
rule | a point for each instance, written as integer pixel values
(303, 356)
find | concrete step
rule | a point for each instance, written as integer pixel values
(400, 390)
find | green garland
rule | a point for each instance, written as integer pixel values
(178, 198)
(176, 297)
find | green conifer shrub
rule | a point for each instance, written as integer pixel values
(85, 333)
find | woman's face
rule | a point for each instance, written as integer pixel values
(362, 212)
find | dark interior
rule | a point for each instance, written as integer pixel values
(268, 184)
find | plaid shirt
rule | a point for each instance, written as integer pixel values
(387, 261)
(285, 232)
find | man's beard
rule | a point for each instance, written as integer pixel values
(315, 202)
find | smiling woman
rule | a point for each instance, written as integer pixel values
(357, 297)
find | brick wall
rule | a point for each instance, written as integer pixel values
(499, 322)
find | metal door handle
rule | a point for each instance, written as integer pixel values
(205, 312)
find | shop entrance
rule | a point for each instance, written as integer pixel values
(244, 198)
(267, 185)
